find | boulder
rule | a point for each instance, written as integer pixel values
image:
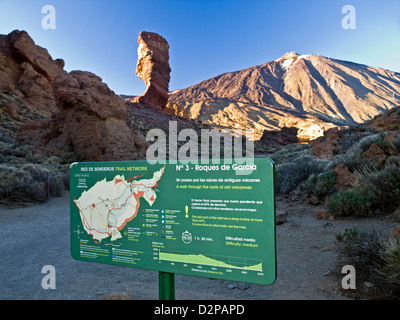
(389, 121)
(396, 232)
(314, 201)
(375, 154)
(322, 214)
(345, 178)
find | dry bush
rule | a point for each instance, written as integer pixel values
(376, 259)
(292, 174)
(29, 183)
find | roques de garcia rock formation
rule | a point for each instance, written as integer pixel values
(153, 68)
(309, 92)
(76, 112)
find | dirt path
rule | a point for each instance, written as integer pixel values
(35, 236)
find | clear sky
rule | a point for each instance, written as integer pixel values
(206, 37)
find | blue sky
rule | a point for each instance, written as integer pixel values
(207, 37)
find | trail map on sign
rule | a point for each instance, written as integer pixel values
(106, 207)
(215, 221)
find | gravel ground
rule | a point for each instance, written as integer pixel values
(39, 235)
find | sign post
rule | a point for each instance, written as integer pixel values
(213, 220)
(166, 285)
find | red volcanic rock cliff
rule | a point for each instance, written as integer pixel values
(80, 113)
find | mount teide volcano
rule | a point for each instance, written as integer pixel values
(309, 92)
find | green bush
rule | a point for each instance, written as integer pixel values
(350, 203)
(325, 183)
(308, 186)
(319, 184)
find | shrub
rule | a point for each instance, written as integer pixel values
(56, 186)
(68, 157)
(319, 184)
(390, 270)
(356, 161)
(393, 147)
(354, 158)
(292, 174)
(349, 140)
(24, 184)
(382, 188)
(376, 259)
(366, 142)
(65, 178)
(325, 183)
(35, 187)
(290, 153)
(350, 203)
(396, 143)
(29, 182)
(393, 160)
(308, 186)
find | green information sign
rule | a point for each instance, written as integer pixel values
(211, 220)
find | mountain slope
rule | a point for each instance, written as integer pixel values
(309, 92)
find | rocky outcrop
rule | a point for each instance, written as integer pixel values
(90, 122)
(336, 141)
(81, 114)
(280, 137)
(345, 179)
(28, 71)
(328, 145)
(389, 121)
(375, 154)
(153, 68)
